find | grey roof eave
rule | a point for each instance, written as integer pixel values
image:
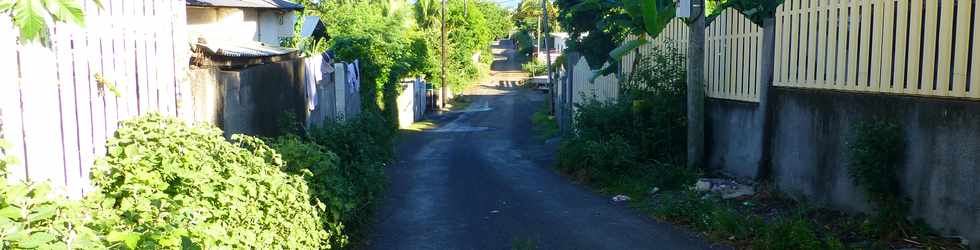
(266, 4)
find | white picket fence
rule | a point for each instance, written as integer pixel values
(53, 107)
(586, 87)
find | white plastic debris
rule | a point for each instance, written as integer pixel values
(620, 198)
(654, 190)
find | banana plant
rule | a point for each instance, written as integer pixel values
(31, 16)
(656, 14)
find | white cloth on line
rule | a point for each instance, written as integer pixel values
(313, 75)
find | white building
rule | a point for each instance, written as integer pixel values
(265, 21)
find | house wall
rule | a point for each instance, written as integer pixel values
(240, 24)
(275, 25)
(223, 24)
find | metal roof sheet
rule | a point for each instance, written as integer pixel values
(244, 49)
(263, 4)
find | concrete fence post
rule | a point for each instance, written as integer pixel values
(340, 93)
(765, 85)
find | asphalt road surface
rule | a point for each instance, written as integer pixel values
(481, 180)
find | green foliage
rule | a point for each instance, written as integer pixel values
(793, 233)
(755, 10)
(723, 221)
(394, 41)
(31, 217)
(324, 175)
(535, 68)
(346, 164)
(524, 43)
(596, 28)
(876, 154)
(30, 15)
(167, 185)
(5, 160)
(545, 125)
(638, 140)
(684, 207)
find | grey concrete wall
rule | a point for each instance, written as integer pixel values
(941, 167)
(733, 139)
(249, 100)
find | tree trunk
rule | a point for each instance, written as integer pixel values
(695, 86)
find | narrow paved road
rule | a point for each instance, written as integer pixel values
(481, 181)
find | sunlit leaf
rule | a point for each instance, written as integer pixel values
(29, 18)
(618, 53)
(5, 5)
(36, 239)
(10, 212)
(130, 239)
(66, 11)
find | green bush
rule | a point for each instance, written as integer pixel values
(684, 207)
(535, 68)
(525, 43)
(322, 172)
(794, 233)
(638, 140)
(363, 146)
(31, 217)
(875, 153)
(596, 161)
(167, 185)
(346, 160)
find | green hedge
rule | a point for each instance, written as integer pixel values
(345, 162)
(168, 185)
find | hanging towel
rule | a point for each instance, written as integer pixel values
(313, 75)
(351, 78)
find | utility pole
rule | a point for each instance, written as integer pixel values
(445, 86)
(695, 86)
(544, 36)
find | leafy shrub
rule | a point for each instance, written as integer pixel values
(726, 222)
(637, 141)
(795, 233)
(599, 161)
(545, 126)
(167, 185)
(535, 68)
(684, 207)
(671, 176)
(876, 153)
(322, 171)
(362, 147)
(525, 43)
(32, 217)
(362, 138)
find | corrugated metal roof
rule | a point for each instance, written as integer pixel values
(244, 49)
(264, 4)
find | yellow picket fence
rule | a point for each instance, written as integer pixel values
(733, 46)
(913, 47)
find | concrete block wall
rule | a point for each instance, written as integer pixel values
(809, 150)
(941, 166)
(733, 136)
